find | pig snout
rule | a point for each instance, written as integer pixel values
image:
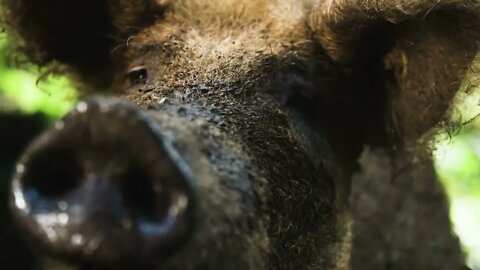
(104, 185)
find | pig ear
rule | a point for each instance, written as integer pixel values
(78, 34)
(416, 51)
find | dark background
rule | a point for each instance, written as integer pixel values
(17, 130)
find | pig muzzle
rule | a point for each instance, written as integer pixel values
(103, 184)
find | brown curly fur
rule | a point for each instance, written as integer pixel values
(433, 43)
(428, 45)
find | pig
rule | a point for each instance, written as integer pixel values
(243, 134)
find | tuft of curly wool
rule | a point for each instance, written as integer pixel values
(426, 48)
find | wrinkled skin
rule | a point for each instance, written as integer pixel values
(264, 108)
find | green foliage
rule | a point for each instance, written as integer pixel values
(458, 163)
(458, 166)
(20, 90)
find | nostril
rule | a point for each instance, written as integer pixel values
(52, 172)
(154, 196)
(144, 197)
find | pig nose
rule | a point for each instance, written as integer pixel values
(104, 184)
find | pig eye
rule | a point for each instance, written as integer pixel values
(137, 75)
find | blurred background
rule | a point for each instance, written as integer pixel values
(28, 106)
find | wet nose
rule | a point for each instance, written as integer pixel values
(104, 184)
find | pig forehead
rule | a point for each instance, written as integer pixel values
(226, 26)
(208, 40)
(223, 16)
(244, 10)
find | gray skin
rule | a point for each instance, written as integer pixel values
(236, 136)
